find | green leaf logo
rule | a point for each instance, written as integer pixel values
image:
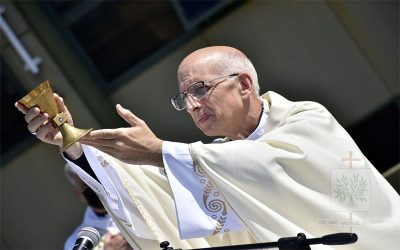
(351, 189)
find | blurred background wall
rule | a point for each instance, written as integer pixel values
(343, 54)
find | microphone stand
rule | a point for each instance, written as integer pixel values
(288, 243)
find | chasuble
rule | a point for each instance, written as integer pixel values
(295, 179)
(292, 179)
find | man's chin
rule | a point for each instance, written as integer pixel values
(205, 131)
(209, 132)
(208, 129)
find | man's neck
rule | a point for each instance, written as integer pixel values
(250, 122)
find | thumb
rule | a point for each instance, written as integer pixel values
(108, 236)
(127, 115)
(61, 106)
(60, 102)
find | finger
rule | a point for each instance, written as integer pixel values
(32, 114)
(127, 115)
(103, 148)
(98, 143)
(90, 142)
(48, 134)
(108, 236)
(44, 131)
(38, 122)
(115, 144)
(102, 134)
(21, 107)
(113, 231)
(60, 102)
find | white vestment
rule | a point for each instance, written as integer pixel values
(195, 193)
(295, 178)
(140, 201)
(298, 178)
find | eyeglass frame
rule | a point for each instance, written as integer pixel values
(210, 83)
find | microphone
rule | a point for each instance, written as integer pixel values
(87, 239)
(339, 239)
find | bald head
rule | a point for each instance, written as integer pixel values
(218, 60)
(230, 105)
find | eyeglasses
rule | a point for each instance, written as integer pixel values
(197, 90)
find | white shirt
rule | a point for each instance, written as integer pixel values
(103, 224)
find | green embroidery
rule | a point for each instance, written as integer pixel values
(353, 189)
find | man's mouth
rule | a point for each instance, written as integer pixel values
(203, 118)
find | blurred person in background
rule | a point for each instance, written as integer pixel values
(95, 216)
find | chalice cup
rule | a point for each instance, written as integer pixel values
(43, 98)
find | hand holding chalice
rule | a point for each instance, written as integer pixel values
(42, 97)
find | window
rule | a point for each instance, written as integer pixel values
(194, 12)
(118, 36)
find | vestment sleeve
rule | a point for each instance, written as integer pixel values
(82, 163)
(201, 209)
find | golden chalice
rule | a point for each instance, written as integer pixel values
(42, 97)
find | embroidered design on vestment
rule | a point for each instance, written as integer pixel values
(124, 222)
(103, 162)
(213, 202)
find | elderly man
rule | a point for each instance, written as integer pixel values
(269, 177)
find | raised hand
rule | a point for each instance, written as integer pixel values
(116, 242)
(135, 145)
(41, 127)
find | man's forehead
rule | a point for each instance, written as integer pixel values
(188, 78)
(198, 66)
(192, 73)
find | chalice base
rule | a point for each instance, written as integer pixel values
(71, 135)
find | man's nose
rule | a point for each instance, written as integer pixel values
(192, 103)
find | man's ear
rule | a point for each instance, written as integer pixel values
(246, 83)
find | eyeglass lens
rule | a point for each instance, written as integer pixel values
(197, 90)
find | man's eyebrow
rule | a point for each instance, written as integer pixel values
(190, 84)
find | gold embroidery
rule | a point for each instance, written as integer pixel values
(138, 204)
(124, 221)
(90, 184)
(215, 206)
(196, 164)
(128, 235)
(111, 198)
(220, 225)
(198, 171)
(103, 162)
